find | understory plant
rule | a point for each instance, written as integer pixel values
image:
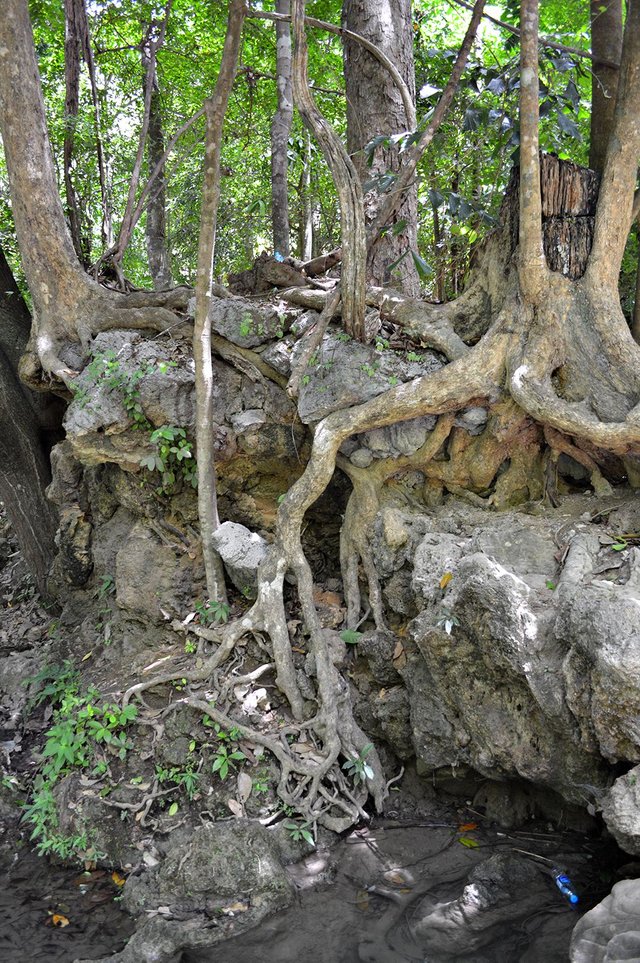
(84, 731)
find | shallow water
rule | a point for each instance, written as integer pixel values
(34, 896)
(335, 911)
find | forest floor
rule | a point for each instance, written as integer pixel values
(425, 848)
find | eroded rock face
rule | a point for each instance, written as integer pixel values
(524, 658)
(610, 932)
(227, 879)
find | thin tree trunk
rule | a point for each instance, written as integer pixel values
(280, 127)
(347, 183)
(532, 263)
(614, 215)
(305, 229)
(635, 321)
(155, 39)
(375, 107)
(215, 107)
(606, 46)
(72, 49)
(24, 465)
(156, 226)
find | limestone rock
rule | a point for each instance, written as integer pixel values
(346, 374)
(149, 573)
(610, 932)
(241, 551)
(621, 811)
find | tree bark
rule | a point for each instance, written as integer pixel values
(156, 226)
(375, 107)
(617, 189)
(72, 54)
(606, 46)
(215, 107)
(24, 463)
(532, 263)
(353, 285)
(280, 127)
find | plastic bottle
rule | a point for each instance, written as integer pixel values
(565, 885)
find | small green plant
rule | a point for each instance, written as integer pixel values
(412, 356)
(304, 380)
(358, 768)
(299, 830)
(173, 457)
(351, 637)
(106, 587)
(226, 753)
(381, 343)
(212, 613)
(246, 326)
(190, 647)
(369, 369)
(446, 620)
(82, 728)
(186, 778)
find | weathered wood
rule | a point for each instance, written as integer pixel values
(569, 199)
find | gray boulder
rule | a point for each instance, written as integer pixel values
(241, 551)
(610, 932)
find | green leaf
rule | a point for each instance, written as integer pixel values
(351, 637)
(423, 269)
(468, 842)
(173, 809)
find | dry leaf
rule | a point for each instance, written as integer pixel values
(399, 655)
(235, 808)
(234, 908)
(362, 900)
(245, 786)
(118, 879)
(59, 920)
(446, 578)
(397, 877)
(467, 827)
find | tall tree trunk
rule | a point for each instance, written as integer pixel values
(305, 227)
(24, 464)
(216, 107)
(374, 107)
(280, 127)
(606, 46)
(72, 55)
(156, 226)
(68, 305)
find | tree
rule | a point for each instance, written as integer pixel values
(280, 127)
(25, 421)
(375, 110)
(519, 342)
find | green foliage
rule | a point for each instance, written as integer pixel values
(226, 752)
(299, 830)
(173, 458)
(351, 637)
(185, 777)
(358, 768)
(212, 612)
(84, 731)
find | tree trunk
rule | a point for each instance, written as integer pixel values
(606, 45)
(68, 306)
(156, 226)
(72, 54)
(216, 107)
(374, 107)
(24, 463)
(280, 127)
